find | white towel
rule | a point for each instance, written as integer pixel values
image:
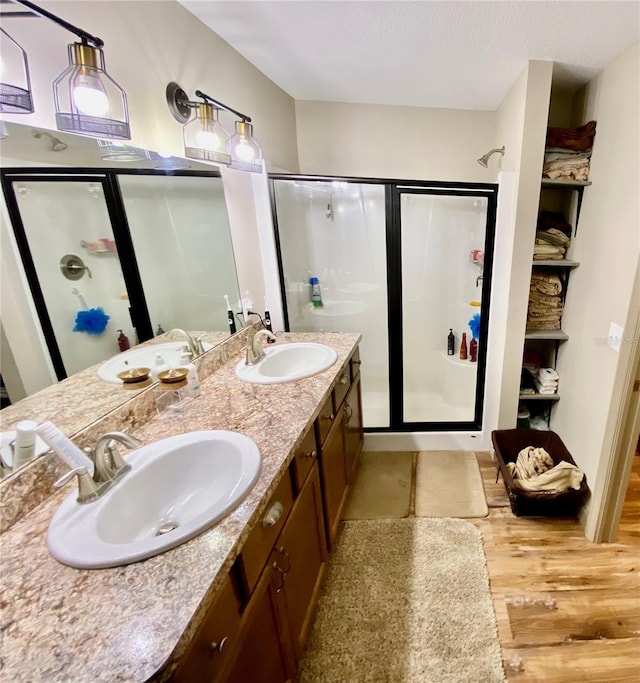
(547, 374)
(533, 470)
(545, 390)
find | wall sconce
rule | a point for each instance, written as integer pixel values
(484, 159)
(206, 139)
(87, 100)
(15, 98)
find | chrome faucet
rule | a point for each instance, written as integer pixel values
(195, 343)
(107, 460)
(255, 352)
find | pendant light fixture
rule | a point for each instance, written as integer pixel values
(87, 100)
(204, 136)
(15, 97)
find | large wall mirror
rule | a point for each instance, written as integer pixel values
(146, 239)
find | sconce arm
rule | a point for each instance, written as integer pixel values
(220, 105)
(83, 35)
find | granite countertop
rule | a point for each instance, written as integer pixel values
(134, 622)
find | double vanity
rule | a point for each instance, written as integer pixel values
(233, 603)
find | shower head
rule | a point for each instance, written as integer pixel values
(56, 144)
(484, 159)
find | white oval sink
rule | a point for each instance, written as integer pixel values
(177, 488)
(287, 363)
(143, 357)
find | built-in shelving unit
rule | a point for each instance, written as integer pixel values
(548, 341)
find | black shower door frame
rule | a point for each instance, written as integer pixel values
(394, 189)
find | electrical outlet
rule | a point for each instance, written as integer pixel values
(615, 336)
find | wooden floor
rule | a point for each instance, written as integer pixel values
(568, 610)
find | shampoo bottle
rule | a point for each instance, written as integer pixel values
(463, 347)
(193, 381)
(316, 295)
(123, 341)
(473, 350)
(451, 343)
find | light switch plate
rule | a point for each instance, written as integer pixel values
(615, 336)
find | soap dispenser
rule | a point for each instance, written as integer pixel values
(451, 342)
(193, 381)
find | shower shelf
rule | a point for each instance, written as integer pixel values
(557, 335)
(556, 263)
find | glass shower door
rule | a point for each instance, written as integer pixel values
(443, 241)
(335, 231)
(70, 301)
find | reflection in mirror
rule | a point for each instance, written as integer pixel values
(143, 246)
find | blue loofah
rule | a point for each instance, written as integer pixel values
(93, 321)
(474, 325)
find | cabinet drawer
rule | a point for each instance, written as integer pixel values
(209, 652)
(261, 539)
(354, 364)
(342, 387)
(305, 455)
(325, 420)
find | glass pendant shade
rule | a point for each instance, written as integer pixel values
(15, 97)
(205, 138)
(244, 151)
(110, 150)
(87, 100)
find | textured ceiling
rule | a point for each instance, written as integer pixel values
(462, 55)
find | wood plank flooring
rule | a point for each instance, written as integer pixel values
(568, 611)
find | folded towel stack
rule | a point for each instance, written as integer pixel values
(546, 380)
(568, 152)
(545, 302)
(553, 236)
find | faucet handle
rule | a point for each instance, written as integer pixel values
(87, 490)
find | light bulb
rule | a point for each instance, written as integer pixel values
(244, 151)
(89, 96)
(208, 140)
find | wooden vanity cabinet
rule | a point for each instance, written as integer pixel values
(211, 648)
(283, 603)
(354, 434)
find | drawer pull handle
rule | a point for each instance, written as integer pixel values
(311, 455)
(286, 555)
(357, 362)
(349, 411)
(272, 515)
(344, 379)
(328, 417)
(281, 573)
(217, 647)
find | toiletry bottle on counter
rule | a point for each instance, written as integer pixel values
(193, 381)
(316, 295)
(463, 347)
(123, 341)
(25, 444)
(451, 342)
(160, 330)
(159, 365)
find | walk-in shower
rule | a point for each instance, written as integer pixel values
(402, 264)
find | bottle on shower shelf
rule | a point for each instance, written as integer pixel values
(473, 350)
(451, 342)
(316, 295)
(123, 341)
(463, 347)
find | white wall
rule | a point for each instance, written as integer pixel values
(521, 127)
(607, 247)
(367, 140)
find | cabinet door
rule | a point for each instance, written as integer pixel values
(333, 474)
(209, 652)
(354, 432)
(261, 656)
(302, 553)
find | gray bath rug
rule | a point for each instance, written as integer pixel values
(449, 484)
(405, 601)
(382, 487)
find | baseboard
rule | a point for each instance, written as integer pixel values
(425, 441)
